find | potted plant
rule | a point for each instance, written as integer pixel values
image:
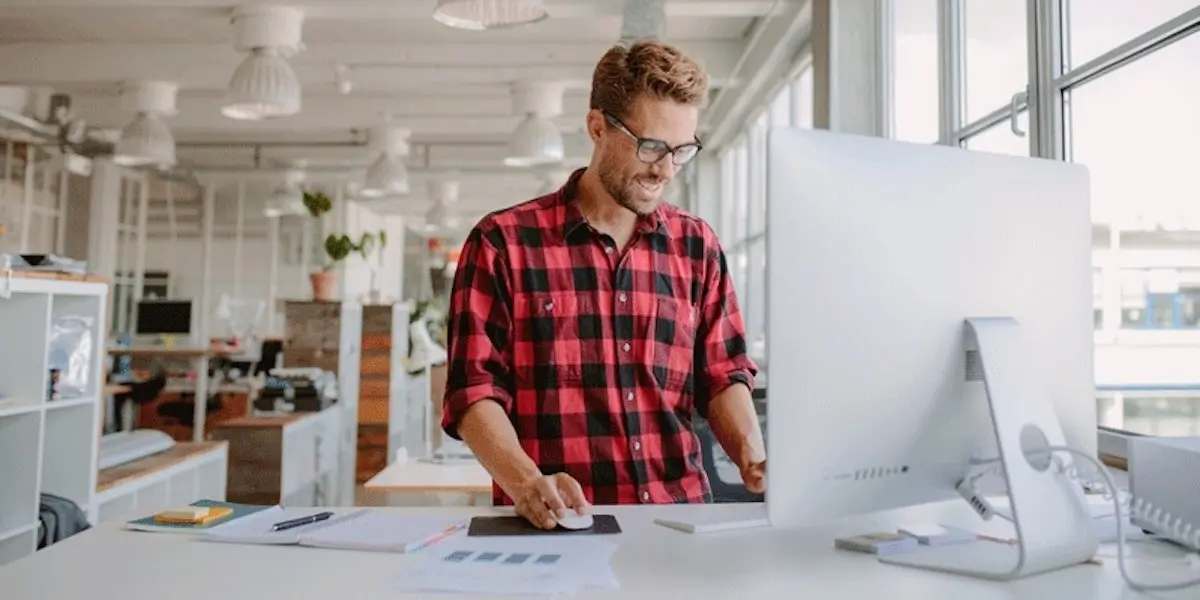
(324, 282)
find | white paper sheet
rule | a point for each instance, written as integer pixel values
(535, 565)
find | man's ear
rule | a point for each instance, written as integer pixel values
(596, 125)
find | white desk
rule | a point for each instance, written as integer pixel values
(652, 562)
(415, 476)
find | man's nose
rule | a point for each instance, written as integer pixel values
(664, 168)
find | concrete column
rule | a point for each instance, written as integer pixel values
(104, 210)
(850, 46)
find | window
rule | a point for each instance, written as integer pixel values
(1000, 139)
(802, 99)
(915, 71)
(1136, 140)
(995, 55)
(1097, 26)
(1133, 127)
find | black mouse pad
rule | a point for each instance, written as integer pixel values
(601, 524)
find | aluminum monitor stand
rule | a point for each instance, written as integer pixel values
(1053, 524)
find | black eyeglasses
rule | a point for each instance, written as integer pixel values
(651, 151)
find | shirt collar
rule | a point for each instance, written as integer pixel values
(573, 218)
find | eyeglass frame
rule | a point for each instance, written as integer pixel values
(665, 148)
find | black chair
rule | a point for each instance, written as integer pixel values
(182, 410)
(271, 349)
(143, 392)
(723, 491)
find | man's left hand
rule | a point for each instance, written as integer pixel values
(754, 477)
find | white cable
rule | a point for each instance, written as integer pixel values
(1116, 498)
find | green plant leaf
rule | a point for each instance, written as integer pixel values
(317, 203)
(338, 247)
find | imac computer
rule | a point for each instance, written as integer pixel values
(159, 318)
(929, 308)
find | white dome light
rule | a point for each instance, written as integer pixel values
(147, 141)
(388, 175)
(287, 200)
(477, 15)
(536, 141)
(264, 86)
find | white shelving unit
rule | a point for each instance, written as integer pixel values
(46, 446)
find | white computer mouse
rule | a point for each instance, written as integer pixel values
(574, 521)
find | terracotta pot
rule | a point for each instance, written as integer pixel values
(324, 285)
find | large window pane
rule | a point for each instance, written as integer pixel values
(1135, 128)
(802, 99)
(1097, 26)
(915, 71)
(1000, 139)
(996, 57)
(781, 108)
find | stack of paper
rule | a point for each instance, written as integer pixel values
(541, 565)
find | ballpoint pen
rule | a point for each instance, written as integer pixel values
(282, 525)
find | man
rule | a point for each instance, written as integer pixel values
(585, 326)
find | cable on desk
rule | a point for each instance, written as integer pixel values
(1171, 528)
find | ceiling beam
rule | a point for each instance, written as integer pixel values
(467, 157)
(366, 9)
(430, 115)
(771, 49)
(374, 68)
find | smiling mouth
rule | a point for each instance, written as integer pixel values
(652, 188)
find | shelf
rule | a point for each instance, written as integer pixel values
(10, 407)
(68, 463)
(47, 446)
(16, 531)
(18, 546)
(20, 437)
(71, 403)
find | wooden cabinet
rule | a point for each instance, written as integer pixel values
(286, 459)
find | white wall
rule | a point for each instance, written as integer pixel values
(389, 268)
(183, 261)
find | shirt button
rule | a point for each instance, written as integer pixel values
(622, 298)
(608, 250)
(549, 306)
(637, 445)
(629, 396)
(646, 496)
(625, 346)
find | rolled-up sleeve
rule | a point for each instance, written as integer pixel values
(477, 331)
(722, 358)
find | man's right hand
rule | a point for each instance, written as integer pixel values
(540, 498)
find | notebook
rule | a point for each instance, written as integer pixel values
(232, 512)
(367, 530)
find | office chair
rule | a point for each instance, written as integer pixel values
(723, 491)
(143, 392)
(182, 412)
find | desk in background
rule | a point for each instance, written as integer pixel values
(414, 482)
(199, 357)
(651, 562)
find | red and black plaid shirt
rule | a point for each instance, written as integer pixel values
(598, 358)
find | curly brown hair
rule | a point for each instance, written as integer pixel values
(646, 68)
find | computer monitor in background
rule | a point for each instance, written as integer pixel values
(164, 317)
(878, 252)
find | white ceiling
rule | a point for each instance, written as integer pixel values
(450, 87)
